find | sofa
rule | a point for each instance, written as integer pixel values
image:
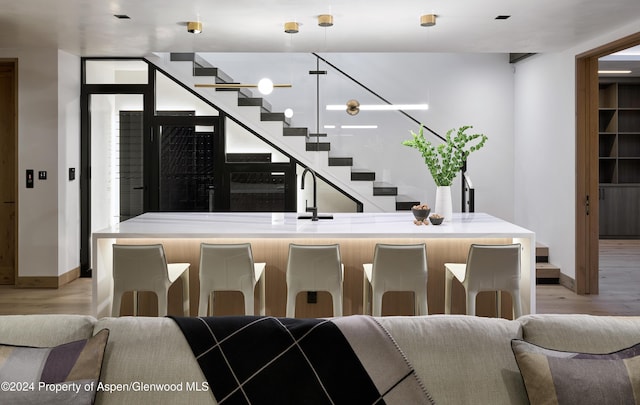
(459, 359)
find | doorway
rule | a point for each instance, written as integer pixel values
(587, 172)
(8, 171)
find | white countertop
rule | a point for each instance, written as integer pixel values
(268, 225)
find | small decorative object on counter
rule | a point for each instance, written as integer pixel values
(421, 214)
(436, 219)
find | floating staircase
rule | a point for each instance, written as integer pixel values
(546, 273)
(340, 171)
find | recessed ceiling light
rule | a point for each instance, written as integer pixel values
(428, 20)
(194, 27)
(502, 17)
(325, 20)
(291, 27)
(122, 16)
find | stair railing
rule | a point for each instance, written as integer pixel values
(468, 192)
(467, 186)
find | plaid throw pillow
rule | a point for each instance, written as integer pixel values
(558, 377)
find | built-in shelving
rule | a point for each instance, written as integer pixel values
(619, 158)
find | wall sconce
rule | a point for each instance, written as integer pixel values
(194, 27)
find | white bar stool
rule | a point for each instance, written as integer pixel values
(230, 267)
(396, 268)
(488, 268)
(144, 268)
(314, 268)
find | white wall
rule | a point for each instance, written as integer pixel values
(544, 148)
(37, 150)
(68, 156)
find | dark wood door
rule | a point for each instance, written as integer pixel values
(8, 176)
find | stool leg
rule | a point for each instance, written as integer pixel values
(135, 303)
(261, 296)
(337, 304)
(291, 303)
(447, 291)
(162, 302)
(471, 302)
(115, 305)
(203, 302)
(185, 293)
(517, 304)
(421, 302)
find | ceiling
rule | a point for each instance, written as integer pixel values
(89, 28)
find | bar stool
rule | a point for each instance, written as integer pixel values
(488, 268)
(144, 268)
(396, 268)
(230, 267)
(314, 268)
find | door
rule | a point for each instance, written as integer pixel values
(8, 191)
(183, 171)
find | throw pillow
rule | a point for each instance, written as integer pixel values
(558, 377)
(65, 374)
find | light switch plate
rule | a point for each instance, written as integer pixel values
(42, 175)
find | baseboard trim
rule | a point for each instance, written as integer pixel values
(48, 282)
(567, 282)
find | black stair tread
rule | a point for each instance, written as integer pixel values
(404, 202)
(295, 131)
(362, 175)
(318, 146)
(315, 135)
(242, 92)
(255, 102)
(340, 161)
(182, 56)
(275, 116)
(381, 188)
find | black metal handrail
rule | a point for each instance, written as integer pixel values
(466, 186)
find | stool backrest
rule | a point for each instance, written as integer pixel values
(493, 267)
(139, 266)
(399, 266)
(227, 267)
(314, 267)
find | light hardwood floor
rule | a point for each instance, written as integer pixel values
(619, 290)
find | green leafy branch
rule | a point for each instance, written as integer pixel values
(446, 160)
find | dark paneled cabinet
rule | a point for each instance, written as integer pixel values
(619, 158)
(619, 211)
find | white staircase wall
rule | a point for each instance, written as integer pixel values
(273, 132)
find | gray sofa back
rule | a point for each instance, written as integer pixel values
(460, 359)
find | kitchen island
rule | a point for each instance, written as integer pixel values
(357, 234)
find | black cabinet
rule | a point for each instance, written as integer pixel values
(619, 216)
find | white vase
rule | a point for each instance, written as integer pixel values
(443, 202)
